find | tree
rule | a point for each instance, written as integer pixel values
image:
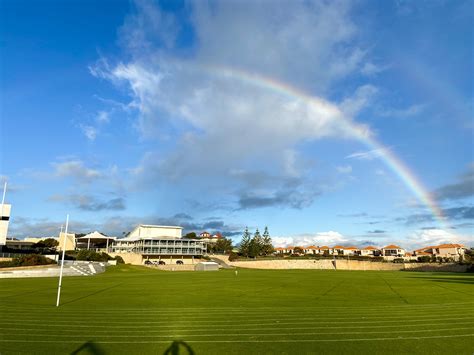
(48, 243)
(190, 235)
(298, 250)
(223, 245)
(267, 247)
(258, 242)
(254, 248)
(245, 243)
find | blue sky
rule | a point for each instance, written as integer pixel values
(185, 113)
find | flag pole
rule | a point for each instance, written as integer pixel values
(62, 261)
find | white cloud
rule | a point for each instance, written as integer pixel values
(435, 236)
(363, 95)
(103, 117)
(89, 131)
(330, 238)
(371, 69)
(409, 111)
(368, 155)
(224, 120)
(77, 170)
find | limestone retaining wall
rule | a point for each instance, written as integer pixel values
(340, 264)
(129, 258)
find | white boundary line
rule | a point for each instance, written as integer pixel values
(127, 331)
(243, 309)
(201, 324)
(242, 341)
(214, 320)
(248, 334)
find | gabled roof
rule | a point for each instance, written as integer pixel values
(324, 247)
(311, 247)
(370, 247)
(392, 246)
(338, 247)
(450, 246)
(95, 235)
(156, 226)
(422, 253)
(425, 248)
(352, 248)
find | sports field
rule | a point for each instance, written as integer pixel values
(137, 310)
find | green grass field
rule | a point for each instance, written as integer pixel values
(137, 310)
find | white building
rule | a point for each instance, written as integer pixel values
(4, 221)
(163, 244)
(145, 231)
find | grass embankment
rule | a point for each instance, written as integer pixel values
(138, 310)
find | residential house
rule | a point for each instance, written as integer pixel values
(311, 250)
(369, 251)
(393, 251)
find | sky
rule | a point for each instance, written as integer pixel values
(327, 121)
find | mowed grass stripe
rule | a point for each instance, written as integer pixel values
(470, 335)
(214, 320)
(277, 312)
(201, 324)
(243, 328)
(376, 308)
(253, 334)
(135, 310)
(18, 331)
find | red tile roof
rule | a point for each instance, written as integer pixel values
(422, 253)
(370, 247)
(450, 246)
(392, 246)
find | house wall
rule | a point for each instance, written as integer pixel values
(449, 252)
(156, 232)
(70, 241)
(4, 223)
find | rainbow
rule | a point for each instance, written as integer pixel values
(395, 164)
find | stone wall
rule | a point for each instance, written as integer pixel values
(129, 258)
(340, 264)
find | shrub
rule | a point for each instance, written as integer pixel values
(233, 256)
(398, 260)
(424, 259)
(119, 259)
(27, 260)
(91, 255)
